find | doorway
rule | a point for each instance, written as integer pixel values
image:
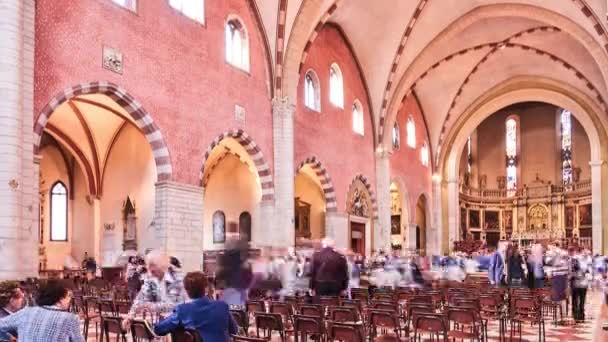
(357, 237)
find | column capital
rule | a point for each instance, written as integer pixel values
(282, 106)
(594, 163)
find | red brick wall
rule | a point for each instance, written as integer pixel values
(405, 162)
(174, 66)
(328, 134)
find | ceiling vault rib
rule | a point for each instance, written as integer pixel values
(528, 48)
(92, 144)
(110, 146)
(109, 109)
(280, 46)
(57, 133)
(391, 74)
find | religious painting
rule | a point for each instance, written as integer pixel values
(219, 227)
(584, 215)
(491, 220)
(245, 226)
(507, 219)
(396, 224)
(538, 217)
(474, 219)
(463, 223)
(359, 205)
(569, 217)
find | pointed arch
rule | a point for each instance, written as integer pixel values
(328, 187)
(254, 151)
(142, 118)
(361, 178)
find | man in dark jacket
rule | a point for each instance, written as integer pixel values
(329, 274)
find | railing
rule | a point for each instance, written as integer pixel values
(529, 191)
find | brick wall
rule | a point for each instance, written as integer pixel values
(173, 65)
(328, 134)
(405, 162)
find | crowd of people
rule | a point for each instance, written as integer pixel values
(156, 283)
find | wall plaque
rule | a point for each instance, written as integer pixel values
(112, 59)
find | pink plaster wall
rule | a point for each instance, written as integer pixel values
(174, 66)
(405, 162)
(328, 134)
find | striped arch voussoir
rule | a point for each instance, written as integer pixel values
(129, 104)
(370, 190)
(328, 187)
(256, 156)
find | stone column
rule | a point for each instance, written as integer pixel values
(283, 233)
(98, 232)
(436, 234)
(382, 231)
(178, 222)
(453, 212)
(336, 227)
(411, 235)
(18, 173)
(598, 205)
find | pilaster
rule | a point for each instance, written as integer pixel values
(382, 231)
(178, 222)
(435, 235)
(282, 128)
(453, 212)
(336, 227)
(18, 180)
(599, 205)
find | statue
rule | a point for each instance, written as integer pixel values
(483, 181)
(129, 225)
(576, 174)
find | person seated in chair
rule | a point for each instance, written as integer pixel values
(212, 319)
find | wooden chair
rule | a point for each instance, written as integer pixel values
(186, 335)
(255, 306)
(113, 326)
(382, 322)
(305, 327)
(434, 325)
(345, 332)
(88, 316)
(311, 310)
(237, 338)
(528, 310)
(141, 331)
(463, 320)
(242, 320)
(344, 314)
(269, 322)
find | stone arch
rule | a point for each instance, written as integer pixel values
(254, 151)
(328, 187)
(141, 117)
(369, 188)
(405, 198)
(406, 82)
(521, 89)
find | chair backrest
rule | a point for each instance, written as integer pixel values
(343, 314)
(307, 324)
(421, 299)
(385, 306)
(462, 316)
(122, 306)
(283, 309)
(311, 310)
(141, 330)
(241, 318)
(255, 306)
(329, 300)
(353, 303)
(381, 318)
(185, 335)
(345, 332)
(434, 323)
(112, 325)
(268, 321)
(106, 308)
(237, 338)
(383, 297)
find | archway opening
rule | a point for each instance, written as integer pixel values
(398, 217)
(106, 168)
(421, 227)
(360, 214)
(232, 195)
(513, 166)
(309, 206)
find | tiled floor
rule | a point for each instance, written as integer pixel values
(569, 332)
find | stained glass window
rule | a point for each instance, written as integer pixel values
(311, 91)
(511, 144)
(424, 154)
(59, 212)
(396, 137)
(411, 132)
(566, 130)
(358, 126)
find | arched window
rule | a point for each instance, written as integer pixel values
(469, 155)
(511, 155)
(59, 212)
(129, 4)
(424, 154)
(245, 225)
(411, 132)
(312, 98)
(219, 227)
(336, 87)
(237, 49)
(193, 9)
(396, 137)
(358, 122)
(566, 131)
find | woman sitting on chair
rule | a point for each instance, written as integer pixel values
(212, 319)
